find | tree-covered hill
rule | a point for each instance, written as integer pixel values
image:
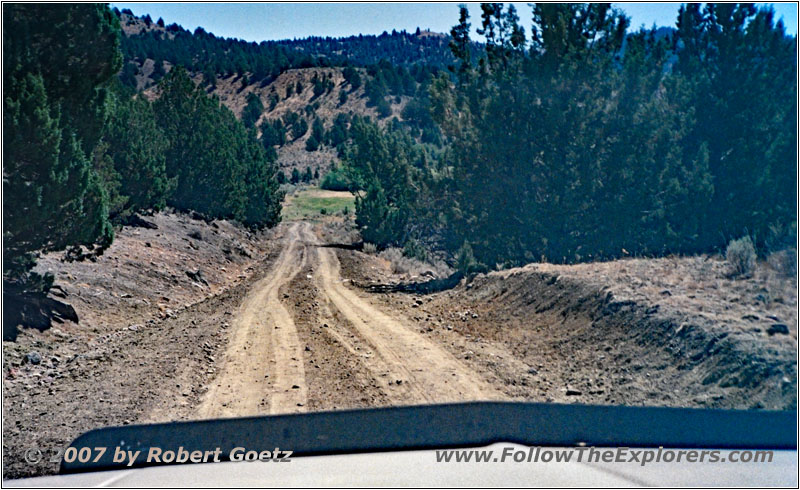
(398, 48)
(298, 96)
(203, 52)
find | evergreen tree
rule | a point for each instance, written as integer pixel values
(136, 147)
(352, 77)
(58, 60)
(312, 144)
(318, 130)
(252, 111)
(219, 168)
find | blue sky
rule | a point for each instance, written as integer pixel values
(268, 21)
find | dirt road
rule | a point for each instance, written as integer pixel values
(264, 363)
(277, 327)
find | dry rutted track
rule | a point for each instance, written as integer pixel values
(264, 370)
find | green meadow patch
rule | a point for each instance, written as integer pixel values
(314, 203)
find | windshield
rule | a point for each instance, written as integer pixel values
(227, 210)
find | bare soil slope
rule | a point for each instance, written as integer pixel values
(146, 340)
(673, 331)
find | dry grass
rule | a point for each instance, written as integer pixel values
(413, 268)
(699, 285)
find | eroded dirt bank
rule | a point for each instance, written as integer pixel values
(147, 340)
(664, 332)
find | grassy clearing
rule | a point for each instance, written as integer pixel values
(310, 202)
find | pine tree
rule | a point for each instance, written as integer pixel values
(219, 167)
(312, 144)
(318, 130)
(136, 147)
(252, 111)
(58, 61)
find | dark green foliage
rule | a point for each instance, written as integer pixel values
(135, 146)
(281, 177)
(128, 74)
(209, 76)
(352, 77)
(295, 176)
(252, 111)
(397, 48)
(738, 68)
(375, 89)
(384, 108)
(322, 84)
(273, 101)
(204, 52)
(563, 183)
(307, 175)
(318, 130)
(584, 142)
(219, 167)
(312, 144)
(273, 133)
(58, 61)
(336, 180)
(460, 42)
(299, 128)
(465, 260)
(381, 163)
(417, 116)
(158, 70)
(337, 134)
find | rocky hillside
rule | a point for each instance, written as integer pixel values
(150, 57)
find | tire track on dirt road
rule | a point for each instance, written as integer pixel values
(431, 374)
(263, 369)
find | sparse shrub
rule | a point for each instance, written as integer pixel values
(415, 250)
(401, 263)
(784, 262)
(370, 248)
(741, 255)
(465, 260)
(323, 211)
